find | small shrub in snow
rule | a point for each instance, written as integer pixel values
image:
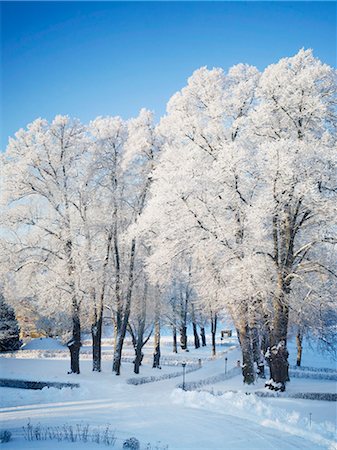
(5, 436)
(166, 376)
(313, 375)
(70, 433)
(195, 385)
(325, 396)
(157, 446)
(131, 444)
(313, 369)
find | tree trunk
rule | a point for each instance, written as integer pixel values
(138, 357)
(278, 363)
(285, 228)
(214, 320)
(118, 296)
(96, 333)
(96, 327)
(117, 361)
(278, 353)
(175, 348)
(183, 319)
(156, 354)
(75, 343)
(195, 331)
(183, 337)
(257, 352)
(280, 323)
(299, 340)
(203, 336)
(244, 337)
(116, 367)
(196, 337)
(139, 343)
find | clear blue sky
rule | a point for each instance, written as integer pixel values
(98, 58)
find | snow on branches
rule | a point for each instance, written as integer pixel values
(236, 186)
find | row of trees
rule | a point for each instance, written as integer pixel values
(228, 204)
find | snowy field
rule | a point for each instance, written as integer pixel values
(222, 414)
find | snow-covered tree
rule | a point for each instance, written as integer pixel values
(138, 160)
(41, 187)
(236, 214)
(201, 190)
(140, 325)
(109, 137)
(293, 126)
(246, 186)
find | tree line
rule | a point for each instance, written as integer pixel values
(227, 204)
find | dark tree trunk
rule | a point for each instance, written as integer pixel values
(139, 342)
(156, 353)
(184, 297)
(280, 325)
(299, 340)
(203, 336)
(244, 337)
(118, 315)
(74, 359)
(195, 331)
(214, 320)
(278, 353)
(138, 357)
(196, 337)
(116, 367)
(97, 325)
(173, 303)
(278, 364)
(96, 333)
(286, 224)
(183, 337)
(75, 344)
(175, 347)
(117, 361)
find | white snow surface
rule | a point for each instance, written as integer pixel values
(46, 343)
(162, 414)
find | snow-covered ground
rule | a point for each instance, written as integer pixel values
(228, 416)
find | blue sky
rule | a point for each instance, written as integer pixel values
(106, 58)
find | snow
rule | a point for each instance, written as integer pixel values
(242, 405)
(159, 411)
(311, 356)
(44, 344)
